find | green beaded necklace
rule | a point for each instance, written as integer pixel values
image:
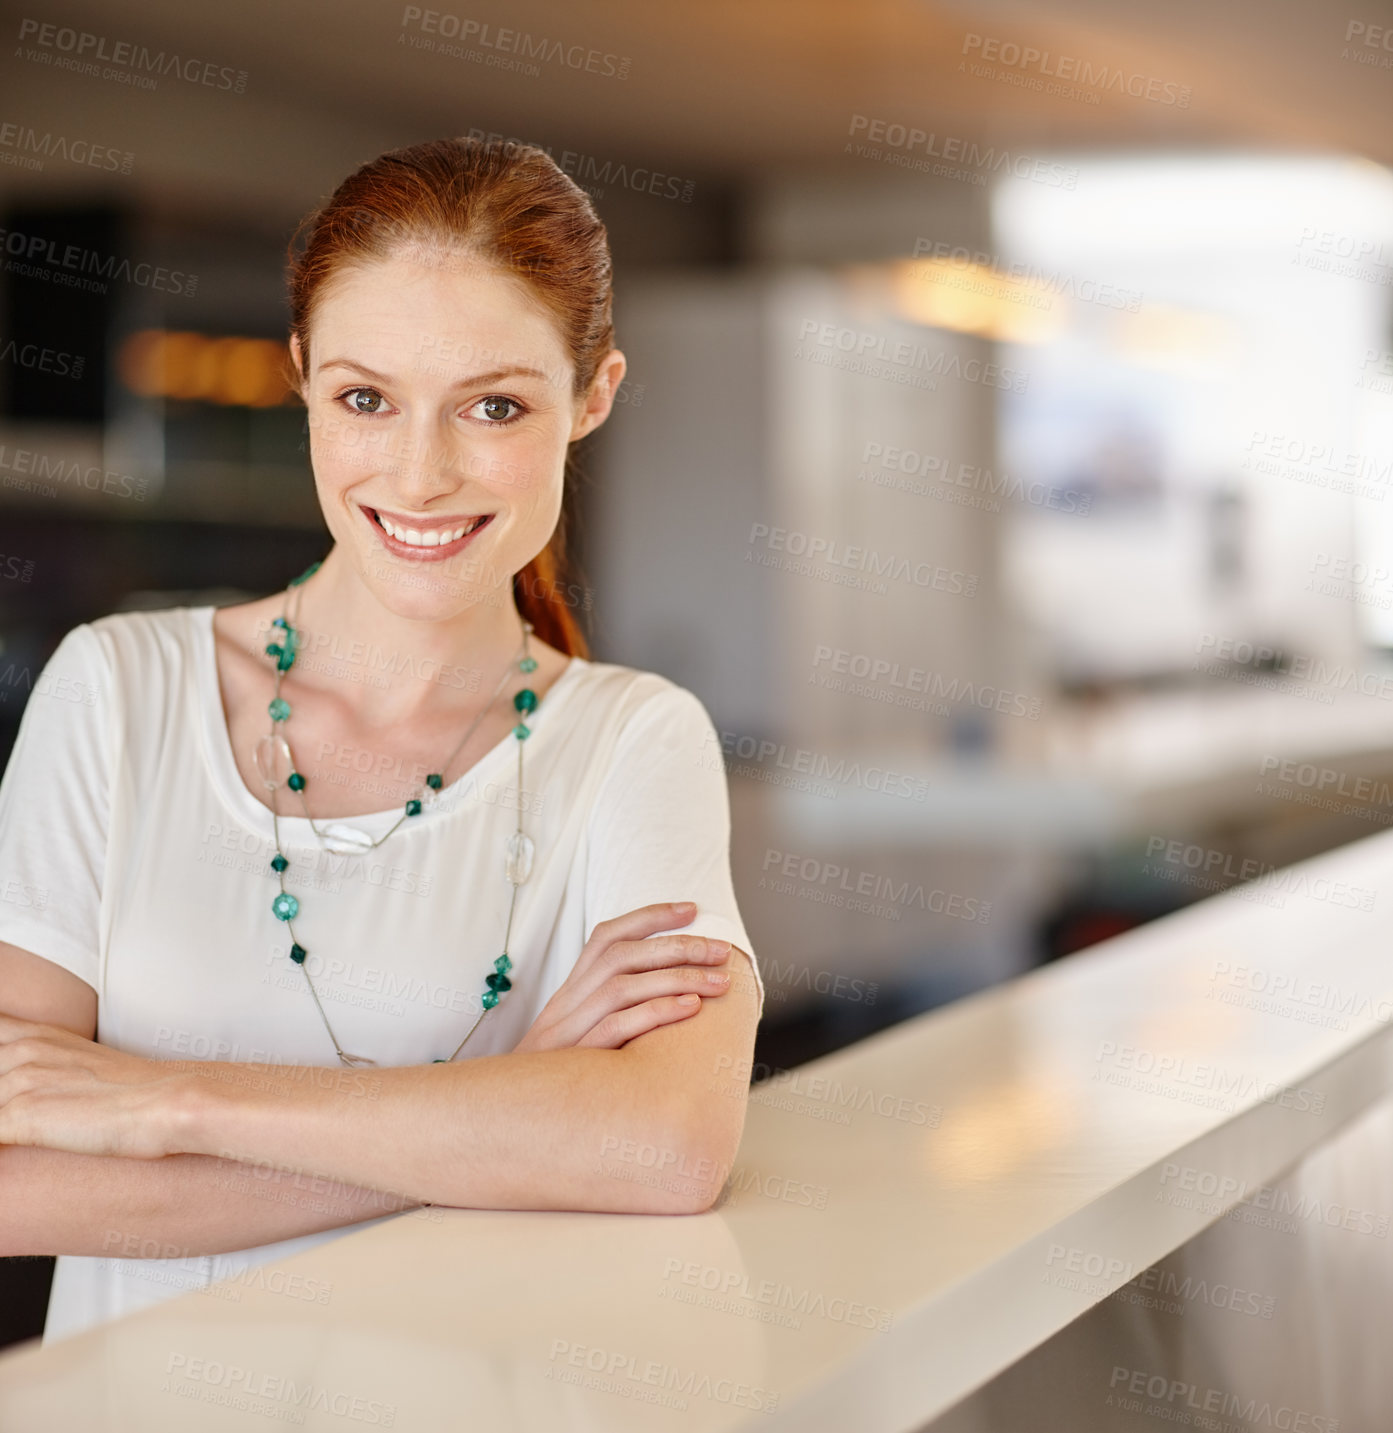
(273, 757)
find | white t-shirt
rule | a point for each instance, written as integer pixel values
(133, 855)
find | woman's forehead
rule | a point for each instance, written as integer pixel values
(412, 309)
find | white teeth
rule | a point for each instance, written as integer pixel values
(432, 537)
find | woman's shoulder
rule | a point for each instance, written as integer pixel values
(629, 699)
(143, 642)
(123, 663)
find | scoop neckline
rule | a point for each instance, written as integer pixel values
(222, 762)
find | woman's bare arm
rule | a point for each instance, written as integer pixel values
(650, 1127)
(55, 1202)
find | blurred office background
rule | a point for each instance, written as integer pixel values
(1005, 455)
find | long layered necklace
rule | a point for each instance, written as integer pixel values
(277, 768)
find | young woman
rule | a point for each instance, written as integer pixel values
(375, 893)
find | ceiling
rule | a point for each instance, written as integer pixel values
(726, 91)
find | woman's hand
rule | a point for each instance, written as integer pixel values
(61, 1091)
(623, 985)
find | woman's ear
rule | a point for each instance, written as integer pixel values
(297, 359)
(598, 402)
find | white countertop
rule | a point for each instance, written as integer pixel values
(973, 1180)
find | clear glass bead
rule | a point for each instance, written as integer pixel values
(345, 840)
(273, 761)
(520, 854)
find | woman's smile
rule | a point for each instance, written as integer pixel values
(419, 537)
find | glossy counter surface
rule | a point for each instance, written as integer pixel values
(909, 1216)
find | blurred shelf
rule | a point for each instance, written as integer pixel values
(1124, 770)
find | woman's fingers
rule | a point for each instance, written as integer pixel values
(660, 951)
(652, 956)
(633, 925)
(629, 1023)
(630, 961)
(624, 957)
(13, 1028)
(622, 992)
(627, 991)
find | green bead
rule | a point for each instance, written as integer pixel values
(499, 983)
(489, 999)
(298, 954)
(278, 862)
(502, 965)
(526, 700)
(528, 664)
(274, 649)
(440, 1062)
(296, 782)
(285, 660)
(279, 709)
(285, 907)
(413, 808)
(280, 622)
(522, 732)
(435, 781)
(305, 575)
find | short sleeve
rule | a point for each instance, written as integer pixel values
(660, 826)
(55, 800)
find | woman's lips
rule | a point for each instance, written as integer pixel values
(414, 552)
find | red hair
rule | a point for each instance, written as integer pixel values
(511, 206)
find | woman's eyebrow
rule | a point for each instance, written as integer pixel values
(471, 381)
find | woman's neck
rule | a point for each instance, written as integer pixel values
(418, 662)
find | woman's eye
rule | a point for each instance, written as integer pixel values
(364, 400)
(497, 409)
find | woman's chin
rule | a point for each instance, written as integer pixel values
(426, 594)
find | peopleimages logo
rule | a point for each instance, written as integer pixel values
(17, 465)
(906, 355)
(1094, 79)
(595, 175)
(1217, 652)
(824, 553)
(737, 1286)
(269, 1395)
(864, 666)
(124, 61)
(1212, 1086)
(1174, 1400)
(24, 147)
(909, 141)
(503, 41)
(33, 255)
(972, 484)
(822, 875)
(1284, 881)
(1043, 285)
(42, 360)
(612, 1371)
